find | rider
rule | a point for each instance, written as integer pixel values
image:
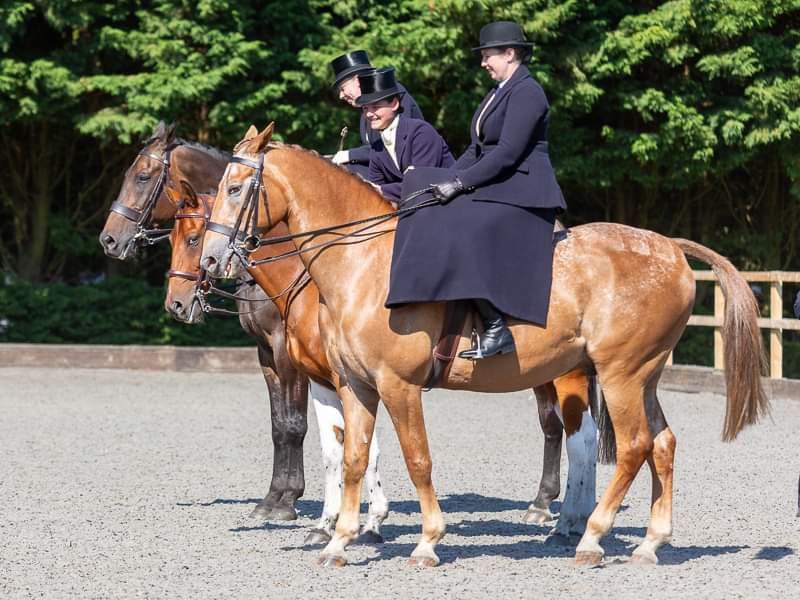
(346, 69)
(495, 243)
(403, 142)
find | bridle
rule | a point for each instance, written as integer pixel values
(205, 285)
(142, 216)
(244, 242)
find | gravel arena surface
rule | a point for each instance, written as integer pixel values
(130, 484)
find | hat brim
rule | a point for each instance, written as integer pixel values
(376, 96)
(349, 72)
(503, 45)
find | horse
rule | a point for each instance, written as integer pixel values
(608, 280)
(263, 318)
(285, 283)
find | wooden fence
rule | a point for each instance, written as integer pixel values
(775, 323)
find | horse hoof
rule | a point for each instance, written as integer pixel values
(644, 557)
(537, 516)
(369, 537)
(331, 560)
(588, 558)
(317, 536)
(558, 539)
(423, 561)
(274, 513)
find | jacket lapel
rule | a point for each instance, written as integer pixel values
(400, 144)
(518, 76)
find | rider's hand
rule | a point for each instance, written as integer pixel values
(341, 157)
(447, 190)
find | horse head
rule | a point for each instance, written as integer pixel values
(243, 208)
(142, 197)
(185, 275)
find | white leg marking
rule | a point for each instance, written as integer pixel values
(328, 408)
(579, 499)
(378, 504)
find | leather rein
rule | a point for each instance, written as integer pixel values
(243, 242)
(205, 285)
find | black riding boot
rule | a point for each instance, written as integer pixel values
(496, 338)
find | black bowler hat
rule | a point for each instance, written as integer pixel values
(502, 34)
(349, 64)
(377, 85)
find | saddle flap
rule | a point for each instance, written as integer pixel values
(455, 316)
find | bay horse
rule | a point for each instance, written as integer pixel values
(620, 300)
(566, 400)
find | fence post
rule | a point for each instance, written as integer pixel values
(719, 316)
(776, 335)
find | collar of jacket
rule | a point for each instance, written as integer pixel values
(518, 75)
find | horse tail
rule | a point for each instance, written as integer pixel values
(607, 441)
(744, 356)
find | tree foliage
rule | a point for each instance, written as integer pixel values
(682, 116)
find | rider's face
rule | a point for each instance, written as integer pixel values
(349, 90)
(499, 62)
(380, 114)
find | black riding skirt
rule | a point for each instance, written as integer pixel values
(475, 249)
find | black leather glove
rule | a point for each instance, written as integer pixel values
(447, 190)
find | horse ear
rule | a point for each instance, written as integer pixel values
(170, 132)
(251, 133)
(189, 194)
(159, 131)
(265, 136)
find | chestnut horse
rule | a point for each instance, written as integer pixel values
(567, 399)
(620, 300)
(295, 298)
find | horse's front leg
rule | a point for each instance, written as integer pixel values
(360, 406)
(328, 409)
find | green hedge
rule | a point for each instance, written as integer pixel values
(116, 311)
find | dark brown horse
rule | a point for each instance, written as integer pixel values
(164, 171)
(620, 301)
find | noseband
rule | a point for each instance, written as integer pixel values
(142, 216)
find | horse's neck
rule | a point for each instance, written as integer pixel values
(323, 195)
(201, 169)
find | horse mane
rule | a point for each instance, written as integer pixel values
(365, 185)
(211, 151)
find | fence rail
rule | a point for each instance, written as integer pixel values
(775, 322)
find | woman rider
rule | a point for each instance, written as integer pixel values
(494, 244)
(402, 142)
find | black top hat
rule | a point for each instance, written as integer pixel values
(377, 85)
(502, 34)
(349, 64)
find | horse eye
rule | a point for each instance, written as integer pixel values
(193, 240)
(143, 177)
(234, 190)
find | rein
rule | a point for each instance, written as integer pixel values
(205, 285)
(142, 216)
(242, 243)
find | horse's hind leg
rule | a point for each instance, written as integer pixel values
(579, 500)
(378, 504)
(550, 483)
(625, 400)
(661, 461)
